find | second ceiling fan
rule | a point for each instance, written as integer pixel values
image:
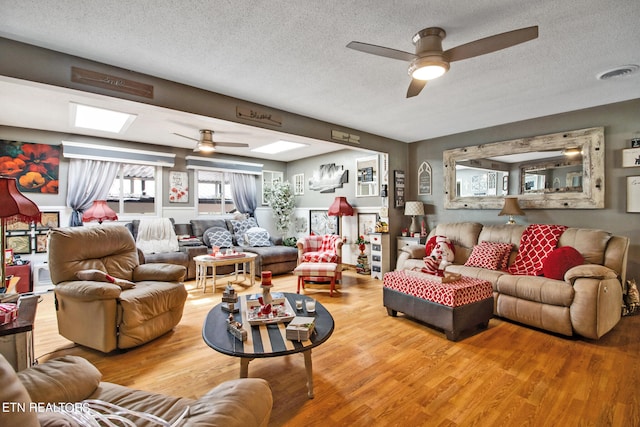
(430, 61)
(206, 143)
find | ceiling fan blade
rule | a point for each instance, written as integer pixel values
(230, 144)
(387, 52)
(491, 44)
(188, 137)
(415, 87)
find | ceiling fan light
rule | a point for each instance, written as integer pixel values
(206, 147)
(427, 68)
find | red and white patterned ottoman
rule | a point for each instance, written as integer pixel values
(314, 269)
(455, 307)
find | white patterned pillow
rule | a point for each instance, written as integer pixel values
(257, 237)
(217, 236)
(241, 227)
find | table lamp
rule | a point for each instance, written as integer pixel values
(99, 211)
(340, 207)
(13, 207)
(414, 209)
(511, 208)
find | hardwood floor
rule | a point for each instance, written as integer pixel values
(385, 371)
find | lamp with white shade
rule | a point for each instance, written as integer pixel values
(414, 209)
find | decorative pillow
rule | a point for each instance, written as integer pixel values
(559, 261)
(257, 237)
(485, 256)
(241, 227)
(506, 252)
(217, 236)
(101, 276)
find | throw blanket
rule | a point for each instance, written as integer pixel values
(157, 236)
(537, 241)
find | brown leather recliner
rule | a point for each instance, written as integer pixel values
(103, 315)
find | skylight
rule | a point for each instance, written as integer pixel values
(278, 147)
(84, 116)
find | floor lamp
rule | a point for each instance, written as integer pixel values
(340, 207)
(13, 207)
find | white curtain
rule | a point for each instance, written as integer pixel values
(89, 180)
(243, 192)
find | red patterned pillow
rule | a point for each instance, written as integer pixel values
(506, 252)
(485, 256)
(559, 261)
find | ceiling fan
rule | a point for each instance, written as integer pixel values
(430, 61)
(206, 143)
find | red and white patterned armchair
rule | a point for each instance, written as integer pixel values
(327, 248)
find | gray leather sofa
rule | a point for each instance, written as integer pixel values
(278, 259)
(587, 302)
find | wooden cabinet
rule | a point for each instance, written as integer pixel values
(379, 254)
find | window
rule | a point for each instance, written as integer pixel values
(214, 193)
(134, 190)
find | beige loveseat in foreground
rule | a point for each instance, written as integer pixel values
(588, 302)
(70, 380)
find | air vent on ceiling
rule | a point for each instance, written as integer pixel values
(618, 72)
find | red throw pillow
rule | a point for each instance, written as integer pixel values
(485, 256)
(559, 261)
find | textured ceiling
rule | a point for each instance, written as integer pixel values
(291, 55)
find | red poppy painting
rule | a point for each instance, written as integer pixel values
(35, 166)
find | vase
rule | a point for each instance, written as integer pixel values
(362, 247)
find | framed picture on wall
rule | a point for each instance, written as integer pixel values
(48, 220)
(178, 187)
(630, 157)
(320, 223)
(18, 226)
(366, 223)
(19, 244)
(41, 243)
(633, 194)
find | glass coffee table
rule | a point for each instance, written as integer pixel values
(266, 340)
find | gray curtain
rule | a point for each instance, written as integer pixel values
(89, 180)
(243, 192)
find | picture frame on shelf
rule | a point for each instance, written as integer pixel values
(19, 244)
(8, 256)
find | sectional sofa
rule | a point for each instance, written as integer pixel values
(586, 301)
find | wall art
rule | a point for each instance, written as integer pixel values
(19, 244)
(366, 223)
(48, 220)
(35, 166)
(398, 195)
(633, 194)
(321, 223)
(424, 179)
(630, 157)
(328, 178)
(178, 187)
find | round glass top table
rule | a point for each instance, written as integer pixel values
(266, 340)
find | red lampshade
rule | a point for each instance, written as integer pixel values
(13, 205)
(340, 207)
(99, 211)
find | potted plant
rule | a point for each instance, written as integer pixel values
(281, 199)
(361, 242)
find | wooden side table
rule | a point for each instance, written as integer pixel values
(16, 338)
(204, 262)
